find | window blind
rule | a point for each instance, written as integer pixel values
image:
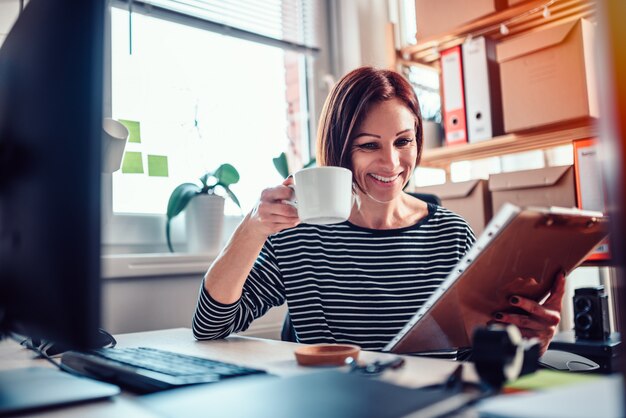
(291, 24)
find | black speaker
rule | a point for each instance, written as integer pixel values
(591, 313)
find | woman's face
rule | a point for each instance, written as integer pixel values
(384, 150)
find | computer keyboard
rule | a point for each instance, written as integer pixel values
(145, 369)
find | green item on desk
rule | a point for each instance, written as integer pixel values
(134, 130)
(132, 163)
(544, 379)
(157, 166)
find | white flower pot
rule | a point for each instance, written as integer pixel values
(204, 223)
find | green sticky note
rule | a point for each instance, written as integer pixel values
(157, 166)
(134, 130)
(544, 379)
(132, 163)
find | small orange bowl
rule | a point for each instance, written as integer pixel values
(326, 354)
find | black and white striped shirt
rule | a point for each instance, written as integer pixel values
(343, 283)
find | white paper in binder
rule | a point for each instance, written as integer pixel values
(483, 101)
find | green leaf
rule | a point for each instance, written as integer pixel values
(167, 235)
(231, 195)
(226, 174)
(180, 197)
(280, 163)
(311, 163)
(205, 178)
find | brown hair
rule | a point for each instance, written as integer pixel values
(347, 105)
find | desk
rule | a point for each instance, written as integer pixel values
(274, 356)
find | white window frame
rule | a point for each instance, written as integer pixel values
(145, 233)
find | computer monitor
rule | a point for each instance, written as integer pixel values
(51, 82)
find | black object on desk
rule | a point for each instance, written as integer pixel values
(603, 352)
(325, 394)
(145, 369)
(567, 362)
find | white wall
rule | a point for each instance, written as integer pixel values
(9, 10)
(361, 33)
(151, 303)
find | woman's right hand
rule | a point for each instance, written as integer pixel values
(271, 214)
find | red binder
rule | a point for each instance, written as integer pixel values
(454, 121)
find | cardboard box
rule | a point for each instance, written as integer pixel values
(551, 186)
(470, 199)
(590, 193)
(437, 17)
(548, 76)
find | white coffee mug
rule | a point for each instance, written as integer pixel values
(323, 195)
(114, 136)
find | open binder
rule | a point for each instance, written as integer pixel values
(520, 252)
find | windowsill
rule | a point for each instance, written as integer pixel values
(154, 265)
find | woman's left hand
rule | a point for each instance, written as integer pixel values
(542, 319)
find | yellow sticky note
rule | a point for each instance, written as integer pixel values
(132, 163)
(157, 166)
(134, 130)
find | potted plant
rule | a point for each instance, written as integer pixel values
(204, 209)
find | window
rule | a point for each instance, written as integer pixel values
(200, 99)
(196, 97)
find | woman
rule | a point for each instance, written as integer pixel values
(359, 281)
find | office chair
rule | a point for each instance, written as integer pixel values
(427, 197)
(288, 333)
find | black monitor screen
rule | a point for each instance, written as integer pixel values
(51, 66)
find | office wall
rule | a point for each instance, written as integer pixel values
(151, 303)
(360, 34)
(9, 11)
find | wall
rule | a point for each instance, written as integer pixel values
(151, 303)
(361, 34)
(9, 11)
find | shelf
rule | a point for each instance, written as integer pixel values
(426, 51)
(598, 263)
(508, 144)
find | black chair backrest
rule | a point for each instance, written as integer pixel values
(427, 197)
(288, 333)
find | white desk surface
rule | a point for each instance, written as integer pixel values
(274, 356)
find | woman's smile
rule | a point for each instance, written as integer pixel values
(384, 181)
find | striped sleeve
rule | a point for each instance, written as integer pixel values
(262, 290)
(470, 240)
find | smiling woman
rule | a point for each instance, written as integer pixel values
(355, 282)
(381, 118)
(383, 159)
(359, 281)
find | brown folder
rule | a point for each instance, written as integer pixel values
(520, 253)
